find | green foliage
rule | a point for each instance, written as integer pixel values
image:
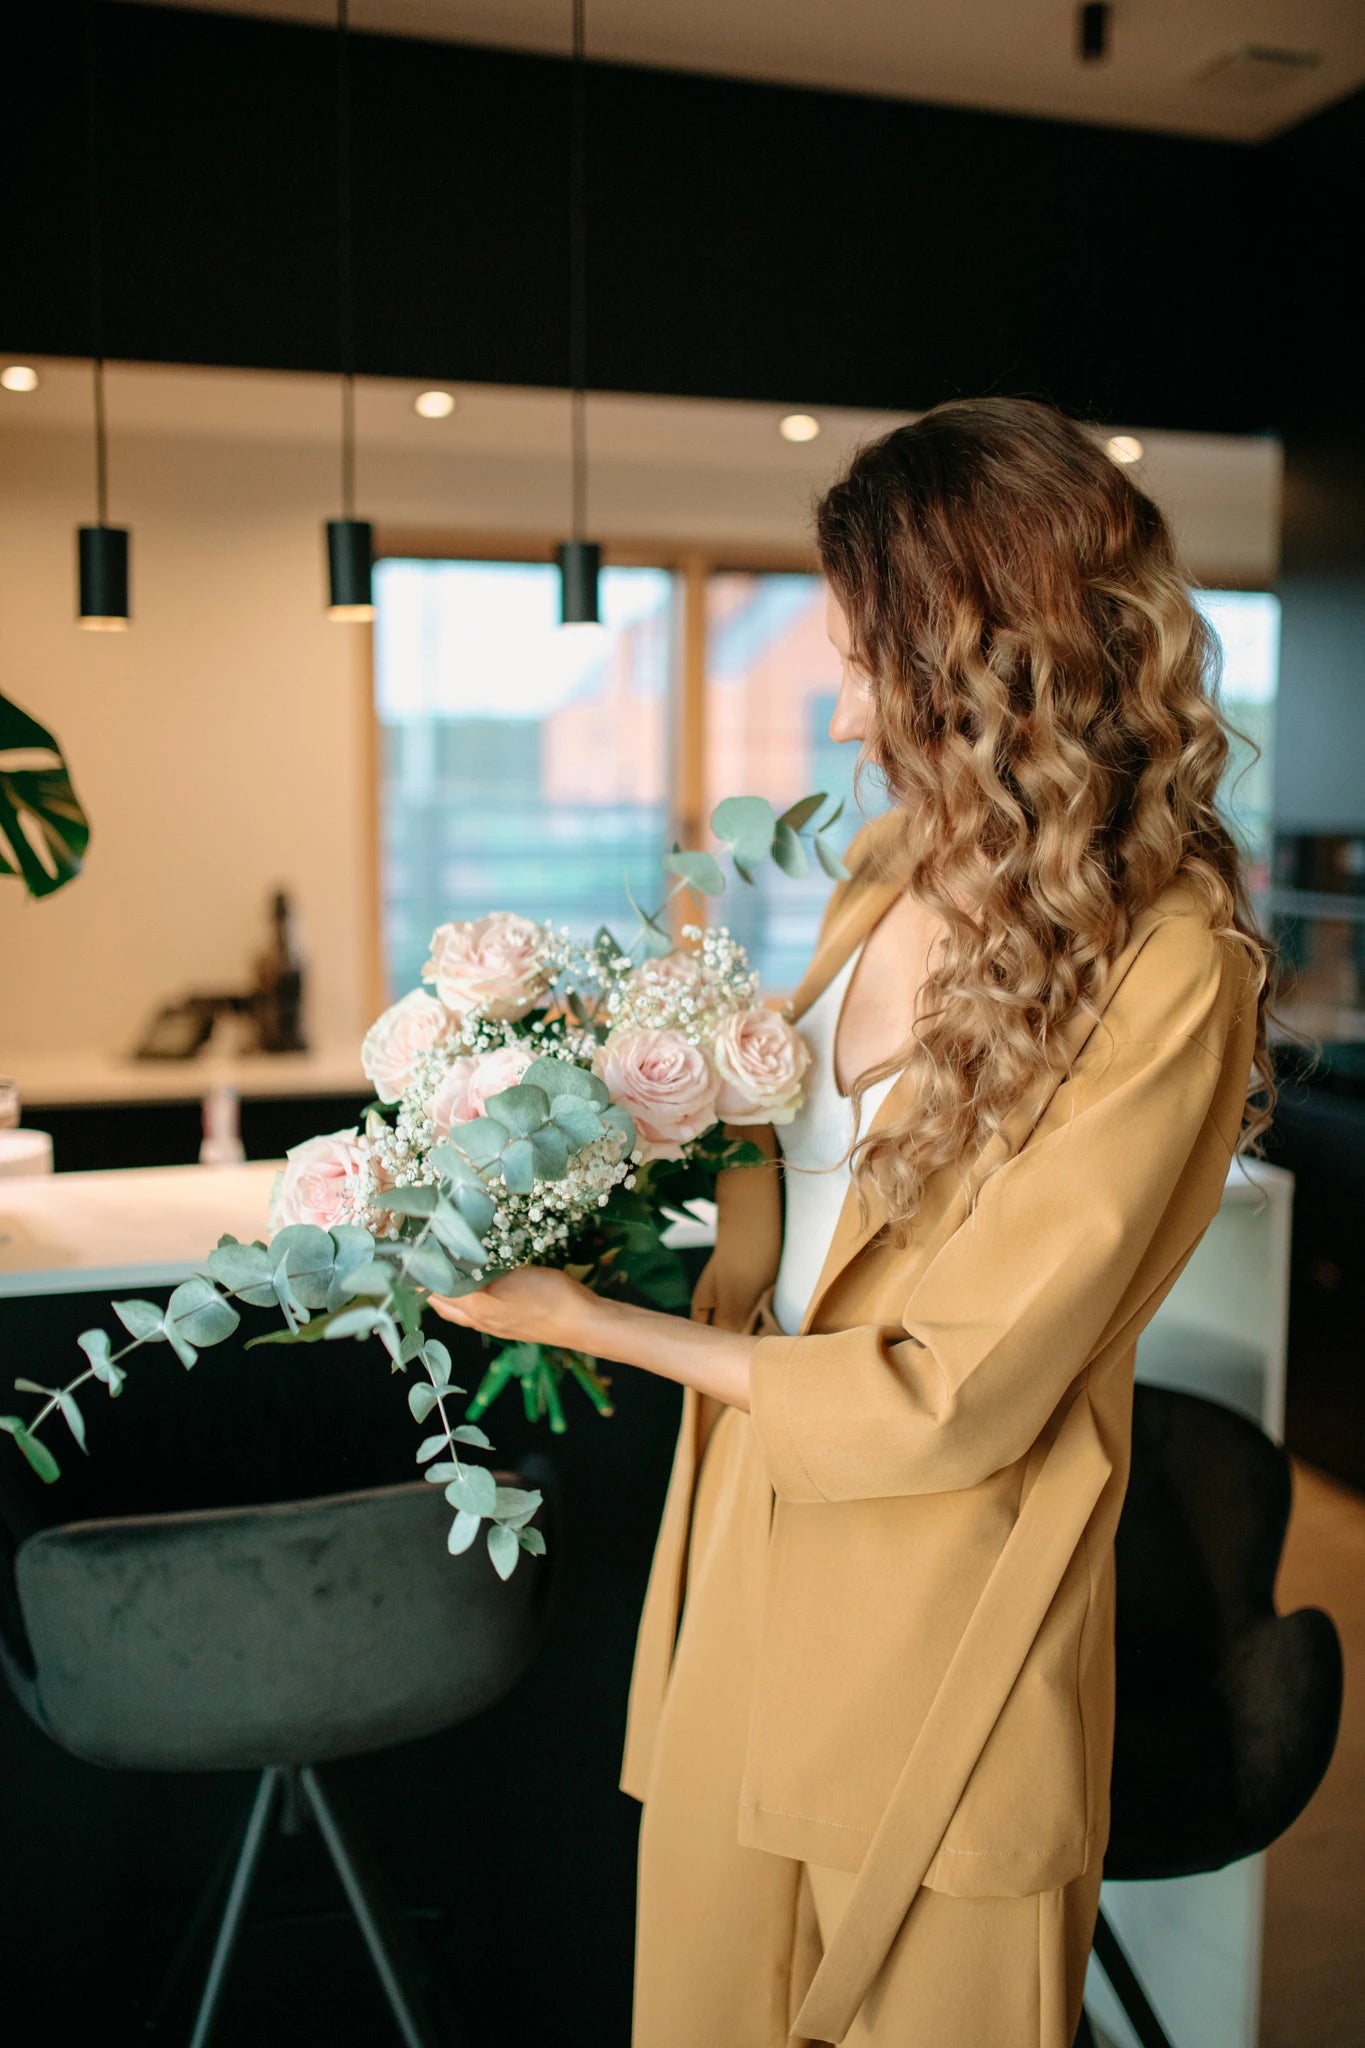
(43, 830)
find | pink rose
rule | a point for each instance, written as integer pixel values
(396, 1042)
(464, 1091)
(761, 1060)
(318, 1182)
(671, 971)
(665, 1082)
(495, 964)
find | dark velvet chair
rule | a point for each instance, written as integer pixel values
(1227, 1712)
(273, 1639)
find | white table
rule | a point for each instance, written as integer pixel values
(146, 1226)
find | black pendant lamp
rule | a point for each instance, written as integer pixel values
(101, 549)
(350, 541)
(579, 560)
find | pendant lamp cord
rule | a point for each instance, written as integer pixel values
(96, 253)
(345, 269)
(578, 270)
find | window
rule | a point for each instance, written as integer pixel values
(1247, 623)
(524, 767)
(771, 681)
(521, 767)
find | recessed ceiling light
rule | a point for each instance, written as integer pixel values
(1124, 447)
(19, 377)
(434, 405)
(799, 426)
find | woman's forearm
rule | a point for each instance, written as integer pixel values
(715, 1362)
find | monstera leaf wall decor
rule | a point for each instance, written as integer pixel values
(43, 830)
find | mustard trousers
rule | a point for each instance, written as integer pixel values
(729, 1938)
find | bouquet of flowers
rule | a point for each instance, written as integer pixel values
(538, 1100)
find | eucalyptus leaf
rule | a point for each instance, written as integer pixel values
(481, 1139)
(802, 811)
(428, 1266)
(311, 1258)
(788, 851)
(522, 1108)
(374, 1280)
(615, 1118)
(470, 1433)
(354, 1322)
(95, 1345)
(476, 1206)
(453, 1165)
(32, 1387)
(429, 1447)
(829, 859)
(456, 1235)
(578, 1120)
(699, 870)
(141, 1319)
(655, 938)
(515, 1505)
(519, 1167)
(504, 1550)
(182, 1347)
(72, 1417)
(245, 1270)
(436, 1359)
(558, 1078)
(410, 1201)
(38, 1455)
(422, 1399)
(532, 1540)
(198, 1314)
(549, 1152)
(463, 1530)
(442, 1471)
(475, 1490)
(745, 824)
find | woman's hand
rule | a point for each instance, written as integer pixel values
(540, 1305)
(533, 1305)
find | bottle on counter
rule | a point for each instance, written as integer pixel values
(278, 1004)
(222, 1141)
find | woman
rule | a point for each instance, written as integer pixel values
(871, 1715)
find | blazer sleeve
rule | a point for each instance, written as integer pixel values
(1068, 1242)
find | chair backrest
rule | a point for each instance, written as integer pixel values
(1227, 1713)
(1200, 1536)
(292, 1633)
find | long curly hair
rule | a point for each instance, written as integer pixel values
(1046, 719)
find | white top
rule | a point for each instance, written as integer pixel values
(817, 1136)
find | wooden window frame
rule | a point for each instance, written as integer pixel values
(690, 562)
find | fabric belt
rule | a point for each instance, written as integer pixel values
(994, 1645)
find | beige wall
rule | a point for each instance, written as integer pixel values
(219, 746)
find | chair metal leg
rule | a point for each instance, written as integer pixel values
(1127, 1987)
(383, 1936)
(248, 1862)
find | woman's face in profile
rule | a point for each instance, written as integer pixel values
(852, 715)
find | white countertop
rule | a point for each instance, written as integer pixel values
(53, 1080)
(146, 1226)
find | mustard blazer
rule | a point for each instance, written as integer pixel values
(948, 1439)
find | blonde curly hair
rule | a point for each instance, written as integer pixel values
(1046, 720)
